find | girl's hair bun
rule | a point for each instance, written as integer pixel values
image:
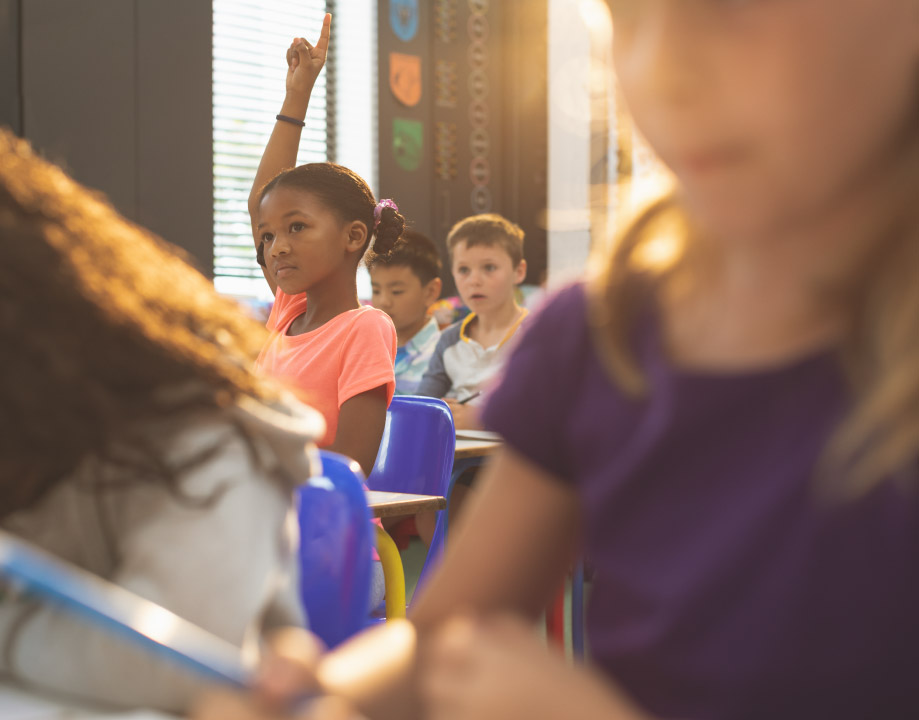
(388, 231)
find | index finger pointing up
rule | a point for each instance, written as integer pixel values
(323, 43)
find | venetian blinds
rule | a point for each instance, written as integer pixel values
(250, 41)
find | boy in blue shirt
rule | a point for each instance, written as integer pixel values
(405, 284)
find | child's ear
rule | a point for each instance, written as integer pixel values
(357, 236)
(432, 290)
(520, 272)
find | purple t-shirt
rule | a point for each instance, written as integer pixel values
(724, 587)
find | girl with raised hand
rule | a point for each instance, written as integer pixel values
(726, 418)
(312, 225)
(135, 443)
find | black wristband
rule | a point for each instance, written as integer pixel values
(292, 121)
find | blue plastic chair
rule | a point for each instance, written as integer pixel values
(336, 538)
(416, 456)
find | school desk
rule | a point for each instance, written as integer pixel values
(392, 504)
(474, 445)
(472, 448)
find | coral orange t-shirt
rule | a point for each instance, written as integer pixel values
(352, 353)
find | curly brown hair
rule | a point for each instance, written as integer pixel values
(97, 318)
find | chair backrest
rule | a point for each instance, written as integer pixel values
(335, 550)
(416, 456)
(416, 452)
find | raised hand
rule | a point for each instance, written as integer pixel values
(305, 61)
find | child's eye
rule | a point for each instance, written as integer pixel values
(267, 237)
(297, 227)
(462, 270)
(490, 267)
(396, 293)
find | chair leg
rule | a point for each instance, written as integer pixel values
(436, 551)
(577, 611)
(555, 619)
(438, 544)
(393, 574)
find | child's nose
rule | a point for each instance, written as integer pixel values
(279, 246)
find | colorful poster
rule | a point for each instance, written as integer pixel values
(403, 18)
(405, 78)
(407, 143)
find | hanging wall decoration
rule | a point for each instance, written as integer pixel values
(405, 78)
(445, 150)
(445, 20)
(403, 18)
(445, 84)
(407, 140)
(477, 55)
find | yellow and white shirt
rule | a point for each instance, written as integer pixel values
(460, 367)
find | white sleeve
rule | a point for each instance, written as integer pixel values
(218, 559)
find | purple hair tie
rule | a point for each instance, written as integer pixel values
(378, 211)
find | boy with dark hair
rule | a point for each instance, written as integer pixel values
(405, 284)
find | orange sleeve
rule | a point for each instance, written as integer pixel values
(367, 357)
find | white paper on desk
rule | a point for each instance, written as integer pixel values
(478, 435)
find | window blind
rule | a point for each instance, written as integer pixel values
(250, 41)
(354, 58)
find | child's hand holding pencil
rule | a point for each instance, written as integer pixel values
(465, 415)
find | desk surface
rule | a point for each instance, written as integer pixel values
(466, 449)
(391, 504)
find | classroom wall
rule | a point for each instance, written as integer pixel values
(119, 93)
(472, 139)
(10, 107)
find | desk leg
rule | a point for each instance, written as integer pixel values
(577, 611)
(393, 574)
(459, 467)
(436, 551)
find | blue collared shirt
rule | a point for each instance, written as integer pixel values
(412, 358)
